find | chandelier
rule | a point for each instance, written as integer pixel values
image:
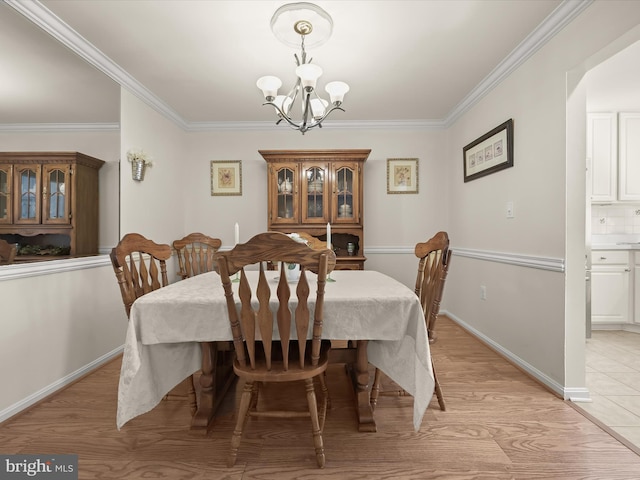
(311, 24)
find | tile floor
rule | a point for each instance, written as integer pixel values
(613, 379)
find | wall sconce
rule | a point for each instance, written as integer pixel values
(139, 162)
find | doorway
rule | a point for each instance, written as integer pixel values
(611, 85)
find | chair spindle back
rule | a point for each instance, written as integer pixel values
(434, 255)
(140, 267)
(195, 254)
(274, 247)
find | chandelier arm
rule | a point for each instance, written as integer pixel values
(318, 122)
(283, 116)
(307, 107)
(303, 127)
(293, 95)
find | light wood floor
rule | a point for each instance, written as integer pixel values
(499, 424)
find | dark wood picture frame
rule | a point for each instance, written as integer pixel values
(490, 153)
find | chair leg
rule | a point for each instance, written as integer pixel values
(243, 410)
(255, 393)
(325, 389)
(438, 389)
(326, 401)
(315, 422)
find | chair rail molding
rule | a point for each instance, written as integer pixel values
(531, 261)
(35, 269)
(521, 260)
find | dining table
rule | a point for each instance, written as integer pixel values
(179, 329)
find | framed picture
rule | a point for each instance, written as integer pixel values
(226, 177)
(490, 153)
(402, 175)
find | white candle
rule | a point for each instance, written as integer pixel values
(328, 235)
(237, 232)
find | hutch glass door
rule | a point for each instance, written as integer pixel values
(28, 206)
(286, 206)
(346, 194)
(5, 193)
(314, 197)
(56, 194)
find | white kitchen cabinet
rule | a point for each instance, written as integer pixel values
(610, 287)
(629, 157)
(636, 288)
(602, 150)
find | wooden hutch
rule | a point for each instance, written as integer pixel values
(50, 195)
(309, 188)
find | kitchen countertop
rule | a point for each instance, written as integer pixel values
(615, 246)
(615, 242)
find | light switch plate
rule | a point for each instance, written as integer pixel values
(510, 210)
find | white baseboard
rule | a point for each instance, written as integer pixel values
(58, 385)
(627, 327)
(573, 394)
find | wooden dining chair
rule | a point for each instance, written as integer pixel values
(291, 357)
(8, 252)
(433, 265)
(140, 266)
(195, 254)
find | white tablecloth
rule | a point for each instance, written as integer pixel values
(162, 343)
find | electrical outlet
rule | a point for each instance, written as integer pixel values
(510, 210)
(483, 292)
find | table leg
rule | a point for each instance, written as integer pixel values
(360, 378)
(217, 376)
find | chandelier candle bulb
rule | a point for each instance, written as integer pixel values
(237, 234)
(269, 86)
(336, 91)
(309, 74)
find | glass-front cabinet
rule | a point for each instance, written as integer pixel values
(49, 202)
(6, 203)
(308, 189)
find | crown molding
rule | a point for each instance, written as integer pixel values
(59, 127)
(556, 21)
(52, 24)
(343, 125)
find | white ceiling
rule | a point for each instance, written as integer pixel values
(198, 61)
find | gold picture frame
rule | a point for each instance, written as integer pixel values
(402, 175)
(490, 153)
(226, 177)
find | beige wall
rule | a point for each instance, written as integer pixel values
(61, 324)
(154, 207)
(389, 220)
(56, 327)
(528, 313)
